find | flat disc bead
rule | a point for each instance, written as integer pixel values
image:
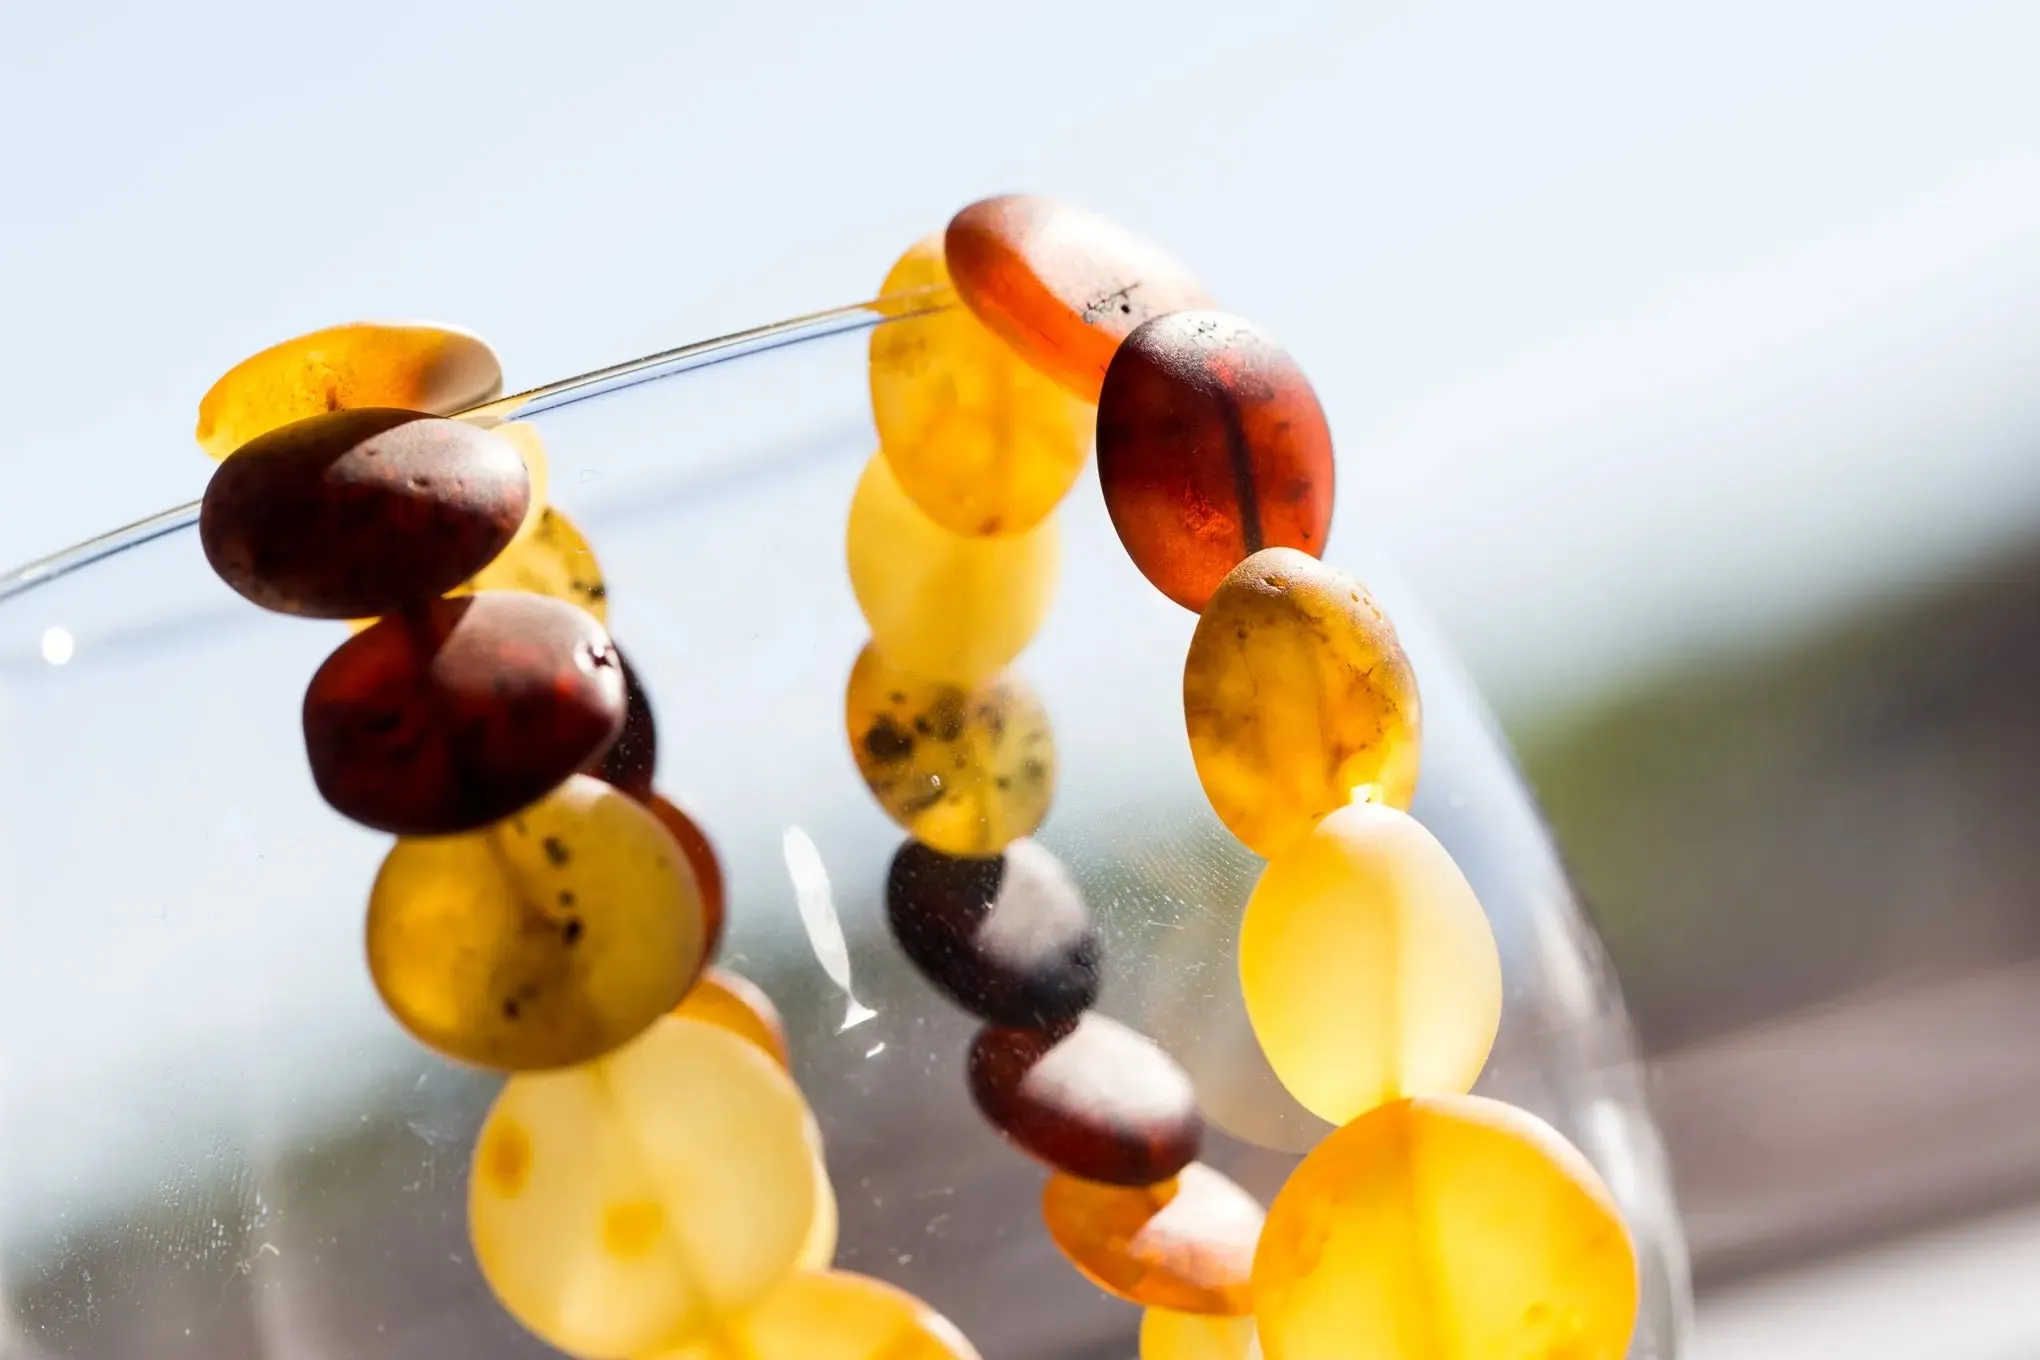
(1061, 285)
(1211, 447)
(1094, 1099)
(456, 714)
(415, 365)
(979, 441)
(1007, 937)
(1368, 967)
(1298, 699)
(701, 856)
(944, 605)
(966, 771)
(547, 939)
(730, 1001)
(834, 1315)
(1185, 1244)
(1445, 1228)
(646, 1200)
(1169, 1335)
(361, 512)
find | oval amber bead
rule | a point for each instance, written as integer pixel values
(1061, 285)
(361, 512)
(1169, 1335)
(545, 940)
(1369, 970)
(1449, 1226)
(1185, 1243)
(1298, 699)
(415, 365)
(1211, 447)
(701, 856)
(834, 1315)
(737, 1004)
(979, 441)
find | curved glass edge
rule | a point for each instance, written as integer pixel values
(720, 349)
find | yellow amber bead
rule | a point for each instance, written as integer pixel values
(834, 1315)
(1185, 1243)
(550, 556)
(966, 771)
(544, 940)
(818, 1252)
(942, 605)
(979, 441)
(414, 366)
(1166, 1335)
(523, 437)
(1445, 1228)
(1368, 968)
(645, 1200)
(735, 1003)
(1298, 699)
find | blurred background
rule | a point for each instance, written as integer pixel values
(1690, 357)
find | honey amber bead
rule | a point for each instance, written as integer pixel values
(551, 557)
(818, 1249)
(708, 874)
(1094, 1099)
(1445, 1228)
(454, 715)
(1298, 699)
(737, 1004)
(1168, 1335)
(1369, 970)
(1007, 937)
(632, 758)
(979, 441)
(941, 605)
(645, 1200)
(1211, 447)
(361, 512)
(413, 365)
(547, 939)
(967, 771)
(1186, 1243)
(834, 1315)
(1061, 285)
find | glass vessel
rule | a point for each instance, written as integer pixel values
(215, 1143)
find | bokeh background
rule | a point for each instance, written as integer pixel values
(1690, 356)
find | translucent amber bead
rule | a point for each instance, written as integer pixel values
(834, 1315)
(1186, 1243)
(942, 605)
(1167, 1335)
(551, 558)
(1298, 699)
(648, 1199)
(967, 771)
(1445, 1228)
(1211, 447)
(1368, 967)
(547, 939)
(1061, 285)
(737, 1004)
(413, 365)
(708, 874)
(818, 1250)
(982, 443)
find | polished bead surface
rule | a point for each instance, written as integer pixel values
(1186, 1243)
(735, 1003)
(834, 1315)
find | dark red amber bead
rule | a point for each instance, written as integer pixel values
(632, 758)
(1211, 447)
(455, 714)
(1008, 937)
(1094, 1099)
(708, 876)
(353, 514)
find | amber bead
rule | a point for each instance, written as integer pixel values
(1211, 447)
(450, 716)
(1008, 937)
(361, 512)
(979, 441)
(1186, 1243)
(1298, 699)
(1169, 1335)
(1445, 1228)
(632, 758)
(701, 856)
(413, 365)
(1094, 1099)
(547, 939)
(967, 771)
(1061, 285)
(737, 1004)
(550, 557)
(833, 1315)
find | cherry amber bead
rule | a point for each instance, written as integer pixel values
(361, 512)
(1169, 1335)
(1094, 1099)
(1450, 1226)
(700, 852)
(632, 757)
(1298, 699)
(730, 1001)
(1211, 447)
(1185, 1243)
(1061, 285)
(451, 716)
(413, 365)
(1007, 937)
